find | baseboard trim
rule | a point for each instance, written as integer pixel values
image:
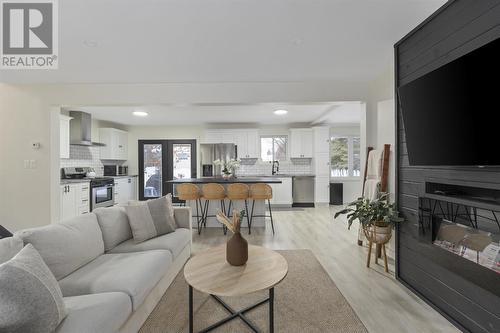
(303, 204)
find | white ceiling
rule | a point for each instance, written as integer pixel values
(205, 114)
(152, 41)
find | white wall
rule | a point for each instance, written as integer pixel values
(386, 134)
(24, 193)
(381, 118)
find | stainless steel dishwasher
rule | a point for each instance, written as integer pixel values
(303, 191)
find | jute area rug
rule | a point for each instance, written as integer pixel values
(306, 301)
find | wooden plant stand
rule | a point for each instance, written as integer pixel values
(379, 239)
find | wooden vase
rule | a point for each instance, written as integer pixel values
(237, 250)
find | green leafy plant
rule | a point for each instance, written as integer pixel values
(369, 212)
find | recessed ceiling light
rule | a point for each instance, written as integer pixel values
(280, 112)
(140, 113)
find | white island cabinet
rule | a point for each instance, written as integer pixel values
(282, 193)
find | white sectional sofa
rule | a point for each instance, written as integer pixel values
(110, 283)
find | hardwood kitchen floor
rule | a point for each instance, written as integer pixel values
(382, 304)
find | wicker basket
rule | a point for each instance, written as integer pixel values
(378, 233)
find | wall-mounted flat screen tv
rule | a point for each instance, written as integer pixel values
(451, 115)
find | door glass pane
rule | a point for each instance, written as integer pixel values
(182, 163)
(152, 170)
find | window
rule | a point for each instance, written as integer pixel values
(345, 156)
(273, 148)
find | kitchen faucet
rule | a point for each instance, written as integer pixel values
(277, 164)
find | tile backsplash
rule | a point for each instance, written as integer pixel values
(83, 156)
(252, 167)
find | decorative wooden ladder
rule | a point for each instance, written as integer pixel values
(383, 185)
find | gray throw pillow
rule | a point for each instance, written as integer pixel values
(30, 297)
(9, 247)
(151, 218)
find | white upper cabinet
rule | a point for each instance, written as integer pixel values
(64, 136)
(248, 143)
(116, 142)
(247, 140)
(301, 143)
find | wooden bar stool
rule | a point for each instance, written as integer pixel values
(189, 192)
(209, 192)
(261, 192)
(238, 191)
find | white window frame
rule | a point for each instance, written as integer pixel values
(350, 156)
(287, 153)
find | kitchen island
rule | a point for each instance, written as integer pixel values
(260, 205)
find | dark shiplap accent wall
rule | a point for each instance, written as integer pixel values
(463, 291)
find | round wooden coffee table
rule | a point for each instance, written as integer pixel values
(210, 273)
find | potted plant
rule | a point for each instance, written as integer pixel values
(376, 217)
(228, 167)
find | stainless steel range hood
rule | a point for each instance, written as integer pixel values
(80, 130)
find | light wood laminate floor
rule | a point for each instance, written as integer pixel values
(382, 304)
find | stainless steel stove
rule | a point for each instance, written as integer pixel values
(102, 192)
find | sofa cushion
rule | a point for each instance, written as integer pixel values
(9, 247)
(68, 245)
(183, 218)
(114, 225)
(132, 273)
(96, 313)
(30, 298)
(175, 242)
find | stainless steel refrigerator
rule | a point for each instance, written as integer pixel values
(211, 152)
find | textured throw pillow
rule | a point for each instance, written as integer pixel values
(30, 297)
(9, 247)
(151, 218)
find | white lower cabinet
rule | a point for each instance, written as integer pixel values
(322, 189)
(74, 200)
(282, 193)
(125, 190)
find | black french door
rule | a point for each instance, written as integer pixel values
(161, 161)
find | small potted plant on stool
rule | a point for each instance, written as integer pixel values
(377, 218)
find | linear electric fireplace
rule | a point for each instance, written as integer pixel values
(462, 225)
